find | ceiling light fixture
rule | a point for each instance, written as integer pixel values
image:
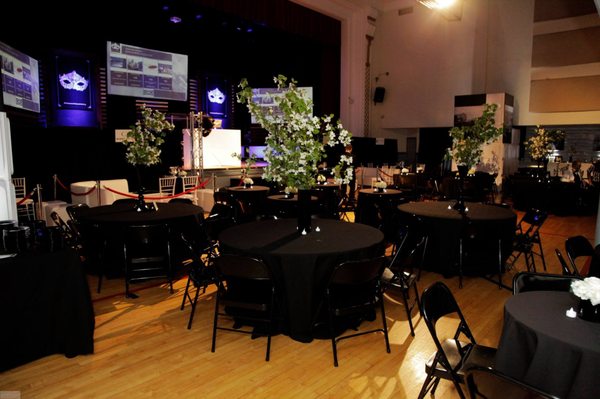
(437, 4)
(175, 19)
(450, 9)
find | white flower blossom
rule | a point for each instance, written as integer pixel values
(294, 144)
(587, 289)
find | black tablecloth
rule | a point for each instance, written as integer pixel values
(543, 347)
(45, 308)
(112, 220)
(302, 264)
(252, 198)
(124, 214)
(281, 206)
(366, 212)
(444, 227)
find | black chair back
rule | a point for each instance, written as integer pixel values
(527, 281)
(576, 247)
(125, 201)
(247, 293)
(566, 270)
(73, 211)
(353, 289)
(181, 200)
(147, 253)
(533, 217)
(437, 301)
(241, 267)
(358, 272)
(489, 383)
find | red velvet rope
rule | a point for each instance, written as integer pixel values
(383, 173)
(28, 196)
(199, 186)
(71, 192)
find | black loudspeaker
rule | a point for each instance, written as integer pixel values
(379, 94)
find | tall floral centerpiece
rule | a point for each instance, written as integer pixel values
(296, 140)
(467, 144)
(143, 145)
(250, 161)
(541, 143)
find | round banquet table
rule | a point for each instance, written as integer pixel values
(543, 347)
(302, 264)
(281, 206)
(253, 199)
(125, 215)
(113, 219)
(366, 212)
(444, 225)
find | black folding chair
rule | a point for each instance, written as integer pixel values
(354, 290)
(527, 237)
(147, 253)
(201, 251)
(402, 273)
(452, 356)
(577, 247)
(246, 293)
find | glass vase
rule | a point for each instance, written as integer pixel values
(460, 199)
(588, 312)
(304, 219)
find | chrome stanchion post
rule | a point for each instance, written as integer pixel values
(40, 203)
(54, 185)
(98, 192)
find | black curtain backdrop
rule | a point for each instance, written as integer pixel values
(228, 39)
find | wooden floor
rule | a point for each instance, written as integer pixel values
(143, 349)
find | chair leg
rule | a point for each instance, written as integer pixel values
(185, 293)
(460, 262)
(331, 332)
(193, 311)
(427, 385)
(499, 264)
(408, 312)
(100, 274)
(539, 240)
(214, 336)
(384, 322)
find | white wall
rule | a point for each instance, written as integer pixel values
(430, 60)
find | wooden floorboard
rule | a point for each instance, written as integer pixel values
(143, 348)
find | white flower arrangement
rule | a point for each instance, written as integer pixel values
(587, 289)
(248, 180)
(542, 142)
(321, 178)
(290, 190)
(296, 139)
(145, 138)
(380, 184)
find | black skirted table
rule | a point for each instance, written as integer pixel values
(253, 198)
(543, 347)
(45, 308)
(369, 199)
(113, 219)
(444, 227)
(302, 264)
(282, 206)
(125, 215)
